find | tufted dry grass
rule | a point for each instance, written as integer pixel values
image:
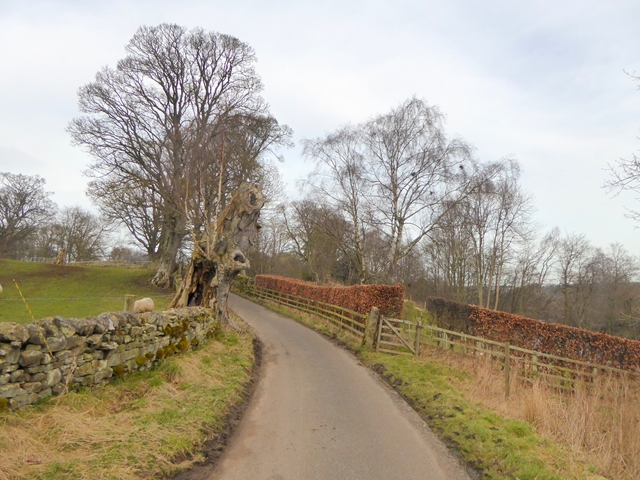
(143, 426)
(599, 424)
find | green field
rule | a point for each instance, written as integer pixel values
(71, 291)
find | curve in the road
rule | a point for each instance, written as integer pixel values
(318, 414)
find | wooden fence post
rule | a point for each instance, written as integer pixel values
(416, 346)
(507, 369)
(379, 333)
(369, 339)
(128, 302)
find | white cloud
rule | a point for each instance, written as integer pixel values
(540, 80)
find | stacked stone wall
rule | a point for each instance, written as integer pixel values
(55, 354)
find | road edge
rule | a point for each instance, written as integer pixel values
(385, 379)
(214, 447)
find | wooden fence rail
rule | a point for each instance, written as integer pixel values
(350, 320)
(398, 336)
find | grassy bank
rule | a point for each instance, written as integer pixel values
(479, 427)
(143, 426)
(71, 291)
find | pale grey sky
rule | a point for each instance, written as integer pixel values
(542, 81)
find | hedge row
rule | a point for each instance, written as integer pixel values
(551, 338)
(360, 298)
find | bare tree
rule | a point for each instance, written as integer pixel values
(43, 242)
(449, 256)
(620, 288)
(415, 170)
(138, 208)
(316, 236)
(24, 206)
(496, 216)
(393, 173)
(272, 245)
(161, 121)
(579, 272)
(81, 234)
(625, 174)
(534, 264)
(340, 179)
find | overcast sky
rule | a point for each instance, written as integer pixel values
(542, 81)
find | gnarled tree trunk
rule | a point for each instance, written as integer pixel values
(219, 256)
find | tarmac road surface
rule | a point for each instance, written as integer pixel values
(317, 414)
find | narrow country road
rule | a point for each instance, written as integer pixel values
(318, 414)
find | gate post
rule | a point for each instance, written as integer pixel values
(416, 345)
(128, 302)
(370, 329)
(507, 369)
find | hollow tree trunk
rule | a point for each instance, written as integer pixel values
(219, 256)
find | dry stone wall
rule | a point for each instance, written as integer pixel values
(55, 354)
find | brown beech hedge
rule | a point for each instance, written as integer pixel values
(523, 332)
(360, 298)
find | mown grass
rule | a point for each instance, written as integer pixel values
(496, 445)
(71, 291)
(143, 426)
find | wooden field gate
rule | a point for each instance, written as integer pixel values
(398, 336)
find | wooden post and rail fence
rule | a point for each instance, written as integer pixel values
(404, 337)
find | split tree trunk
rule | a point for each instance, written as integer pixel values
(219, 256)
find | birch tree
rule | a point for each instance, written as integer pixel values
(340, 178)
(415, 170)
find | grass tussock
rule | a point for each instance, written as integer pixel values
(523, 437)
(143, 426)
(599, 424)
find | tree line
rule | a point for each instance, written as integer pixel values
(179, 124)
(395, 200)
(32, 225)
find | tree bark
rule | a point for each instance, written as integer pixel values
(212, 270)
(169, 246)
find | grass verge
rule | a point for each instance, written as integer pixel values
(71, 291)
(148, 425)
(492, 443)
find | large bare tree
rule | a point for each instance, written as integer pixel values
(415, 170)
(396, 174)
(82, 234)
(340, 179)
(138, 208)
(24, 207)
(169, 119)
(317, 234)
(496, 215)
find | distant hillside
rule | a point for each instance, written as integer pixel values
(72, 291)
